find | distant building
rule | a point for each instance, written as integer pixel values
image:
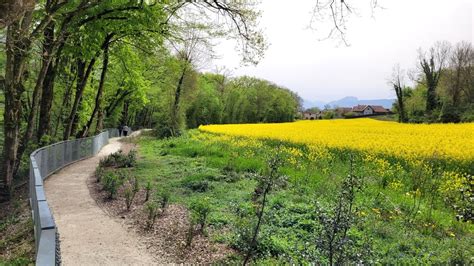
(369, 110)
(311, 116)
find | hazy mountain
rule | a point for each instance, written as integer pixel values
(308, 104)
(348, 102)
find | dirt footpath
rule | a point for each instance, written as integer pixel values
(88, 235)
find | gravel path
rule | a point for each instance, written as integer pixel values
(88, 235)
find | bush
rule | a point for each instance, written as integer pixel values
(200, 210)
(350, 115)
(111, 182)
(449, 114)
(151, 208)
(163, 197)
(120, 160)
(148, 190)
(131, 189)
(468, 114)
(99, 172)
(196, 183)
(328, 115)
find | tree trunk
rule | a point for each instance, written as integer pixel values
(48, 86)
(45, 66)
(98, 98)
(65, 103)
(82, 78)
(13, 89)
(125, 113)
(177, 98)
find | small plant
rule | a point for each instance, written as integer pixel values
(190, 234)
(200, 210)
(148, 188)
(131, 159)
(129, 195)
(266, 182)
(120, 160)
(197, 183)
(151, 208)
(99, 172)
(332, 237)
(163, 197)
(131, 189)
(111, 182)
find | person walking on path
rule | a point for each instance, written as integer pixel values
(125, 131)
(120, 130)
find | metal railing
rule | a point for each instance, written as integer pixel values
(44, 162)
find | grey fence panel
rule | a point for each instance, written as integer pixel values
(46, 250)
(44, 162)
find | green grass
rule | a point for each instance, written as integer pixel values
(385, 231)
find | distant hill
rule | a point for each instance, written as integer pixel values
(308, 104)
(349, 102)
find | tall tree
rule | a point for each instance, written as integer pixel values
(432, 64)
(397, 83)
(459, 64)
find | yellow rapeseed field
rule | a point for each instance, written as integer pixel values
(446, 141)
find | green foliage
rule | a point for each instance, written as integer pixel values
(111, 182)
(131, 187)
(350, 114)
(335, 222)
(382, 227)
(200, 209)
(449, 114)
(328, 114)
(119, 160)
(151, 208)
(251, 100)
(468, 114)
(197, 183)
(148, 188)
(163, 198)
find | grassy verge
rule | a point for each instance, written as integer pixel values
(391, 221)
(16, 232)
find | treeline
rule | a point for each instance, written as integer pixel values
(444, 86)
(241, 100)
(69, 69)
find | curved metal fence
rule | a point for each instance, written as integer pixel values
(44, 162)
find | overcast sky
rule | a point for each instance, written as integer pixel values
(326, 70)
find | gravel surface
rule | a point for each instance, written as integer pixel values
(88, 235)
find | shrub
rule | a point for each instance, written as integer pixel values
(151, 208)
(449, 114)
(131, 189)
(332, 237)
(120, 160)
(129, 196)
(200, 210)
(328, 115)
(162, 198)
(196, 183)
(349, 115)
(468, 114)
(111, 182)
(99, 172)
(148, 190)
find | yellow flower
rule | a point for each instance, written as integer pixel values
(409, 141)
